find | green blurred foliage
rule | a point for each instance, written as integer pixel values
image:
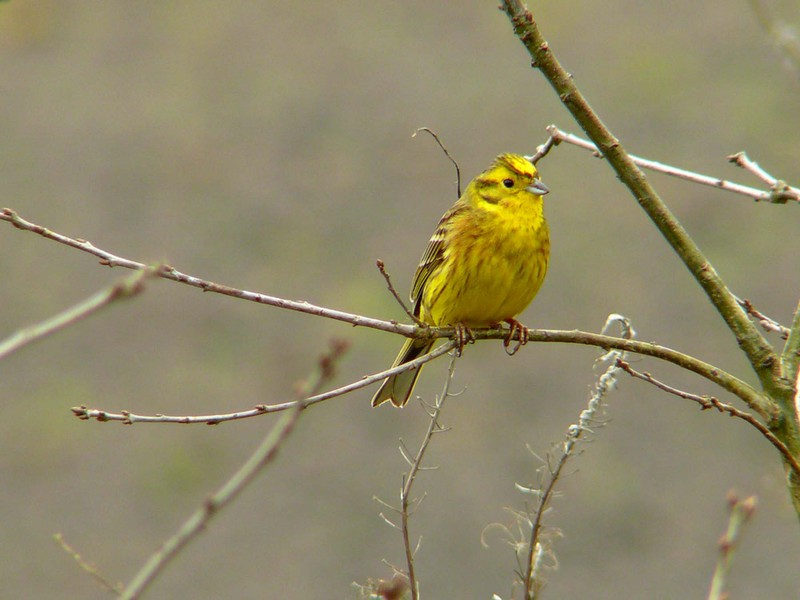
(268, 146)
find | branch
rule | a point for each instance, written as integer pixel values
(780, 191)
(787, 193)
(168, 272)
(766, 323)
(754, 399)
(92, 570)
(128, 418)
(125, 288)
(396, 296)
(416, 465)
(263, 455)
(741, 512)
(532, 581)
(758, 351)
(790, 358)
(707, 402)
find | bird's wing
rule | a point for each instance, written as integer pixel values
(433, 256)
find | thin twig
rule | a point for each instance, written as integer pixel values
(725, 380)
(790, 358)
(92, 570)
(543, 150)
(128, 418)
(780, 191)
(715, 182)
(741, 512)
(767, 323)
(408, 481)
(412, 316)
(125, 288)
(532, 581)
(446, 153)
(707, 402)
(261, 457)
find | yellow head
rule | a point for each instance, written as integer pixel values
(509, 175)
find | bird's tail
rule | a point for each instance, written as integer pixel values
(398, 388)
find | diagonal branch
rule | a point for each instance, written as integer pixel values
(707, 402)
(126, 288)
(758, 351)
(128, 418)
(168, 272)
(790, 357)
(264, 454)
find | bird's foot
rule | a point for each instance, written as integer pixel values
(515, 326)
(463, 336)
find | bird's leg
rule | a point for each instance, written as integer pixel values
(523, 336)
(463, 336)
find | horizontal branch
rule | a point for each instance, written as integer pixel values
(749, 395)
(755, 400)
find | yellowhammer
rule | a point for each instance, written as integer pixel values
(483, 265)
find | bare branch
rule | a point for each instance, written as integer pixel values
(763, 320)
(92, 570)
(408, 480)
(168, 272)
(754, 399)
(741, 512)
(411, 315)
(128, 418)
(532, 580)
(446, 153)
(707, 402)
(790, 359)
(543, 149)
(787, 192)
(125, 288)
(261, 457)
(780, 191)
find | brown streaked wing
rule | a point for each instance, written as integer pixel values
(434, 255)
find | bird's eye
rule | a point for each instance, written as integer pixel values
(508, 183)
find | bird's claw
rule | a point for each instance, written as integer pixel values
(515, 326)
(463, 336)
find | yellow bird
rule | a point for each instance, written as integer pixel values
(484, 263)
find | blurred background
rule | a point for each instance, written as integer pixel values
(268, 146)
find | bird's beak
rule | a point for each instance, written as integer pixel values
(538, 188)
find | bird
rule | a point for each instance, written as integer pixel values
(483, 265)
